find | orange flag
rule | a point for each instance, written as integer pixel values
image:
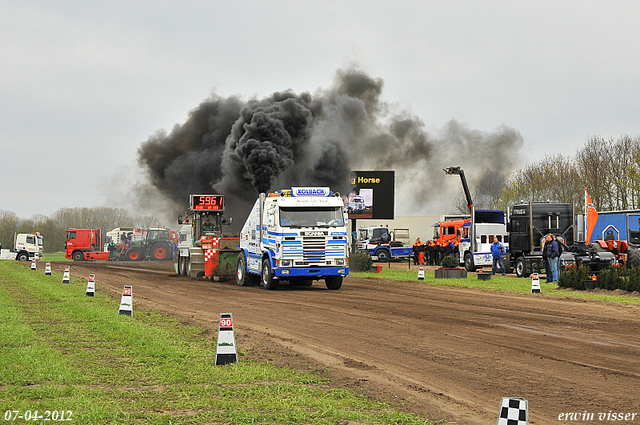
(592, 216)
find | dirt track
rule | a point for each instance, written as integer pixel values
(444, 352)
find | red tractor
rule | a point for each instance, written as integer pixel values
(623, 252)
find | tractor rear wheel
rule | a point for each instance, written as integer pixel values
(633, 257)
(134, 254)
(160, 252)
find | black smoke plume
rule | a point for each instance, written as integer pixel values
(240, 149)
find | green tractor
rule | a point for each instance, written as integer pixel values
(155, 244)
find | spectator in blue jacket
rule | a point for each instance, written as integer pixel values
(552, 253)
(497, 250)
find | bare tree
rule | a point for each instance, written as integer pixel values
(8, 225)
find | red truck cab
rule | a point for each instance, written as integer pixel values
(84, 244)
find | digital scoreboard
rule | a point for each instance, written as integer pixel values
(207, 202)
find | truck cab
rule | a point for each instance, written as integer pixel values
(26, 246)
(297, 235)
(84, 244)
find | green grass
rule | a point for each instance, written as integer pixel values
(500, 283)
(54, 256)
(63, 351)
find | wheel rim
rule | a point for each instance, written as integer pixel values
(240, 271)
(134, 255)
(265, 273)
(160, 252)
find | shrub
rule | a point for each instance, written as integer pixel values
(449, 262)
(574, 277)
(360, 262)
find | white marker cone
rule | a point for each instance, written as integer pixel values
(66, 276)
(91, 286)
(33, 264)
(47, 269)
(421, 273)
(226, 350)
(126, 302)
(535, 284)
(513, 411)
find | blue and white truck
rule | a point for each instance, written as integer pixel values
(297, 235)
(477, 237)
(384, 245)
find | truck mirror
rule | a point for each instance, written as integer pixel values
(179, 219)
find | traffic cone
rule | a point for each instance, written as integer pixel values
(226, 349)
(91, 286)
(65, 277)
(33, 264)
(421, 273)
(535, 284)
(126, 302)
(47, 269)
(513, 411)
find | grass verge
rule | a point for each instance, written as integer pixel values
(508, 283)
(61, 351)
(54, 256)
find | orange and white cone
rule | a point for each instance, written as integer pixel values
(91, 286)
(535, 284)
(47, 269)
(66, 278)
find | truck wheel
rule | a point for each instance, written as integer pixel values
(183, 266)
(23, 256)
(468, 262)
(383, 255)
(267, 278)
(160, 252)
(333, 282)
(520, 268)
(633, 258)
(78, 256)
(243, 278)
(134, 254)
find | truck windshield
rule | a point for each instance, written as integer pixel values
(311, 216)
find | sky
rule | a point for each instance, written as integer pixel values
(84, 84)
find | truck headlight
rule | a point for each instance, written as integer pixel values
(340, 262)
(285, 263)
(342, 271)
(285, 272)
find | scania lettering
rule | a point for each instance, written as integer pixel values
(297, 235)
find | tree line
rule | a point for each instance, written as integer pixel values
(608, 168)
(54, 228)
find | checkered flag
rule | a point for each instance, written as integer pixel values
(513, 411)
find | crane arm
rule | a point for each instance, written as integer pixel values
(465, 186)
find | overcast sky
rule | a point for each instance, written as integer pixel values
(84, 83)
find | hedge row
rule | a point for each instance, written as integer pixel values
(611, 278)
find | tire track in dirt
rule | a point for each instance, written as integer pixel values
(448, 352)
